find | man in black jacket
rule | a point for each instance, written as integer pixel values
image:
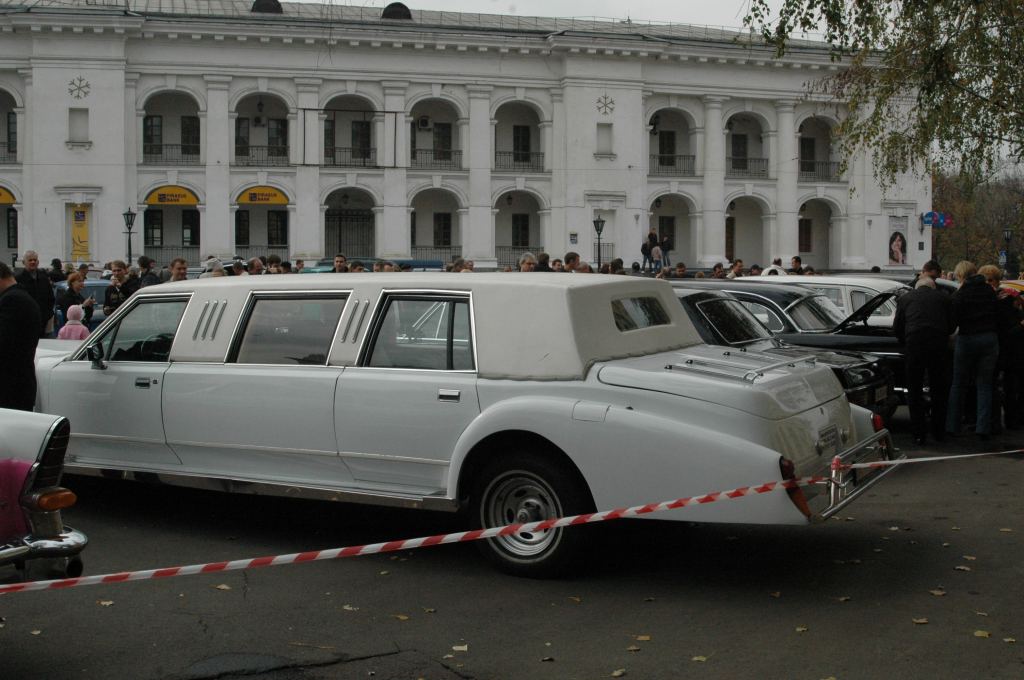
(923, 324)
(37, 284)
(19, 325)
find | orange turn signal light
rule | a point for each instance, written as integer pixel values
(55, 499)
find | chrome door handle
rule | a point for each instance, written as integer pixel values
(449, 395)
(142, 383)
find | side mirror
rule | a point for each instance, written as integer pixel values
(95, 354)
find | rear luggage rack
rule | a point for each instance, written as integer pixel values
(721, 368)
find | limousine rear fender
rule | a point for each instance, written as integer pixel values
(627, 457)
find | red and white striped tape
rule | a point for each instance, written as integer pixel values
(475, 535)
(409, 544)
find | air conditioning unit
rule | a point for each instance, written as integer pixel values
(423, 123)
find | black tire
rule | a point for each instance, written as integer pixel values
(520, 488)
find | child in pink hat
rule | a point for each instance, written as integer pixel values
(73, 329)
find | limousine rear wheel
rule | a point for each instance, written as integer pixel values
(519, 489)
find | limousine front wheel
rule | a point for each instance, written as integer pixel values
(520, 489)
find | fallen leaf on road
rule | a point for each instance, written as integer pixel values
(945, 545)
(981, 613)
(801, 629)
(223, 586)
(885, 538)
(920, 621)
(876, 550)
(844, 598)
(969, 558)
(105, 603)
(400, 617)
(576, 599)
(384, 573)
(618, 673)
(547, 658)
(448, 656)
(1006, 531)
(429, 610)
(894, 528)
(648, 599)
(851, 519)
(632, 648)
(643, 638)
(1010, 640)
(938, 592)
(37, 632)
(955, 528)
(962, 567)
(701, 659)
(350, 608)
(777, 594)
(982, 634)
(460, 648)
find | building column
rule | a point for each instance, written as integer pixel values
(132, 143)
(858, 226)
(477, 231)
(554, 162)
(395, 216)
(306, 239)
(378, 138)
(545, 234)
(711, 241)
(218, 225)
(546, 143)
(787, 241)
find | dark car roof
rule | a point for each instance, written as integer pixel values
(784, 295)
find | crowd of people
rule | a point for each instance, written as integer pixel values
(969, 346)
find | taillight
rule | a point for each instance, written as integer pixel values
(877, 422)
(48, 500)
(796, 494)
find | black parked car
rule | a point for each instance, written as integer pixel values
(800, 316)
(721, 319)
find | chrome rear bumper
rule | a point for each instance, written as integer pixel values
(68, 543)
(842, 486)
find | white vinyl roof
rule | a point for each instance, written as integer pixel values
(527, 326)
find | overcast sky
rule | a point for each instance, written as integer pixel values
(703, 12)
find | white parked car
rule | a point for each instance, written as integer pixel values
(848, 293)
(519, 397)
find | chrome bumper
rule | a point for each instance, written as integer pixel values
(68, 543)
(842, 487)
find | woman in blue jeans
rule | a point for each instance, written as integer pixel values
(975, 313)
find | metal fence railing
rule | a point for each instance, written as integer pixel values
(746, 167)
(348, 157)
(8, 156)
(607, 252)
(261, 156)
(250, 251)
(680, 166)
(444, 253)
(164, 254)
(170, 154)
(525, 161)
(439, 159)
(820, 171)
(508, 256)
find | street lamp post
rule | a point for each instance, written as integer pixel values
(129, 222)
(1007, 237)
(599, 227)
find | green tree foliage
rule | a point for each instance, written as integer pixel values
(929, 84)
(981, 212)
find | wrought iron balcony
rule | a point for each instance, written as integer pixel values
(437, 159)
(680, 166)
(261, 156)
(444, 253)
(746, 167)
(8, 155)
(170, 154)
(820, 171)
(523, 161)
(349, 157)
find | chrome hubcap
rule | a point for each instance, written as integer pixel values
(520, 498)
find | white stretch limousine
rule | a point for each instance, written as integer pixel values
(519, 397)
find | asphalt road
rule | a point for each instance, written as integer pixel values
(924, 578)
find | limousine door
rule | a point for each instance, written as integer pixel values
(115, 411)
(402, 410)
(267, 413)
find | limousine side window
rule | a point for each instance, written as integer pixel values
(146, 332)
(423, 333)
(290, 330)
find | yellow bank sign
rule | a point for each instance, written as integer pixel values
(171, 194)
(262, 196)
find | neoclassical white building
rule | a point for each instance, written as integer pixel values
(305, 130)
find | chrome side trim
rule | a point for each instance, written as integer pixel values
(223, 306)
(209, 319)
(362, 316)
(202, 315)
(351, 318)
(233, 485)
